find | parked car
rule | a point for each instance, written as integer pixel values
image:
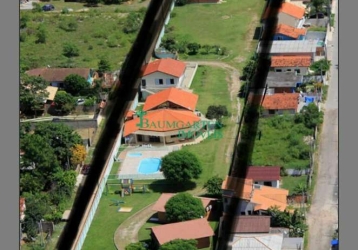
(80, 101)
(48, 7)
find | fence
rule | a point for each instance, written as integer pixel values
(91, 209)
(158, 176)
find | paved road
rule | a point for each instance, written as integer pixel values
(323, 215)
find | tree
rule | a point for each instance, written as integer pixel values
(25, 128)
(133, 22)
(179, 244)
(181, 2)
(135, 246)
(32, 92)
(216, 112)
(78, 154)
(249, 69)
(75, 84)
(40, 154)
(279, 218)
(206, 48)
(181, 166)
(60, 137)
(213, 185)
(92, 2)
(300, 188)
(24, 19)
(183, 207)
(64, 102)
(322, 65)
(70, 50)
(310, 116)
(41, 34)
(65, 181)
(193, 47)
(317, 5)
(104, 66)
(169, 43)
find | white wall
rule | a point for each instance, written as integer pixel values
(150, 81)
(303, 70)
(275, 184)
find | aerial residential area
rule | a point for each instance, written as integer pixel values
(204, 158)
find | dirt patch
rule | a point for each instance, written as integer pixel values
(225, 17)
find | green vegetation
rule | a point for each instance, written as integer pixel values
(184, 207)
(213, 185)
(181, 167)
(282, 143)
(332, 20)
(179, 244)
(107, 219)
(224, 31)
(87, 35)
(292, 182)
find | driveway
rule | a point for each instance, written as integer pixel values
(323, 215)
(27, 6)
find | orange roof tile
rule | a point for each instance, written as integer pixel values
(192, 229)
(167, 65)
(266, 197)
(130, 114)
(179, 97)
(159, 206)
(22, 204)
(290, 31)
(281, 101)
(290, 61)
(162, 120)
(242, 187)
(289, 9)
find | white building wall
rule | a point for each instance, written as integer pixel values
(151, 80)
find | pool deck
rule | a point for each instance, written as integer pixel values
(130, 164)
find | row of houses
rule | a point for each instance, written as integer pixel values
(294, 49)
(251, 225)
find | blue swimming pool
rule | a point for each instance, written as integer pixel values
(149, 165)
(134, 154)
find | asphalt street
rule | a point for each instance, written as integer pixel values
(323, 214)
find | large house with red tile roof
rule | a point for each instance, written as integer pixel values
(56, 76)
(289, 14)
(199, 230)
(168, 116)
(159, 206)
(161, 74)
(296, 63)
(280, 103)
(265, 175)
(286, 32)
(253, 198)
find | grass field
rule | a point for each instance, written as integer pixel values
(107, 219)
(291, 182)
(230, 24)
(281, 143)
(99, 33)
(212, 89)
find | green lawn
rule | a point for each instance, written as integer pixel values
(281, 143)
(230, 24)
(212, 89)
(291, 182)
(107, 219)
(94, 29)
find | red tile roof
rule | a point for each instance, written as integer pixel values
(290, 31)
(266, 197)
(291, 61)
(159, 206)
(58, 74)
(193, 229)
(167, 66)
(289, 9)
(162, 120)
(280, 101)
(130, 114)
(251, 224)
(179, 97)
(242, 187)
(263, 173)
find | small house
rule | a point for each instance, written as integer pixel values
(299, 65)
(56, 76)
(162, 74)
(287, 33)
(283, 82)
(289, 14)
(265, 175)
(198, 229)
(278, 104)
